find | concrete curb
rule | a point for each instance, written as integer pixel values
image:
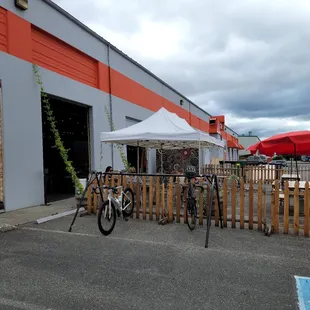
(6, 227)
(55, 216)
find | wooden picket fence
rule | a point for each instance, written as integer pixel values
(266, 173)
(244, 205)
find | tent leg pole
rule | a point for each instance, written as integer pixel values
(161, 160)
(138, 159)
(199, 159)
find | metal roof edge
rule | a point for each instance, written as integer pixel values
(232, 130)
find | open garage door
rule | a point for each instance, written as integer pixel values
(73, 126)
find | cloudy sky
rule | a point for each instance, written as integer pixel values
(247, 59)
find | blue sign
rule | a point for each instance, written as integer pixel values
(303, 292)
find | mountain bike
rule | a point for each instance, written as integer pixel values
(121, 204)
(191, 205)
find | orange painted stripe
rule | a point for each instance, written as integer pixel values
(195, 121)
(129, 90)
(3, 30)
(58, 56)
(103, 77)
(19, 37)
(51, 53)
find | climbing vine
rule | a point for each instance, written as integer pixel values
(52, 122)
(119, 146)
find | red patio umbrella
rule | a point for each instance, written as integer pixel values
(293, 143)
(253, 148)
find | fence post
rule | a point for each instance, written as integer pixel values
(224, 202)
(124, 181)
(201, 202)
(306, 210)
(233, 203)
(138, 199)
(151, 199)
(144, 197)
(286, 207)
(275, 213)
(157, 198)
(163, 199)
(242, 203)
(170, 200)
(178, 200)
(259, 205)
(251, 206)
(184, 202)
(296, 208)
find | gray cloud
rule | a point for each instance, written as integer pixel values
(248, 58)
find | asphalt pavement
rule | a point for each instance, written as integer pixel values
(146, 266)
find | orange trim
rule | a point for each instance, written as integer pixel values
(19, 37)
(195, 121)
(129, 90)
(204, 126)
(3, 30)
(103, 77)
(51, 53)
(232, 144)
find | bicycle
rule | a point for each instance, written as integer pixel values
(191, 203)
(122, 204)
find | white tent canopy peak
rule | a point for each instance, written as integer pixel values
(164, 130)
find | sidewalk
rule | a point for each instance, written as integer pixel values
(12, 219)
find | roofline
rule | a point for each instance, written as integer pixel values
(232, 130)
(247, 136)
(98, 37)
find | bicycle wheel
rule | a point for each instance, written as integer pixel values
(191, 210)
(128, 201)
(107, 214)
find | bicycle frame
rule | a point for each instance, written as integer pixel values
(94, 175)
(117, 200)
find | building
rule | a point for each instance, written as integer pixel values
(246, 141)
(84, 76)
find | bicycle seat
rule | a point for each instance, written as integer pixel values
(113, 188)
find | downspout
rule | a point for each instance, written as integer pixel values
(110, 103)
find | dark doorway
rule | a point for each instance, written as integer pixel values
(72, 122)
(132, 158)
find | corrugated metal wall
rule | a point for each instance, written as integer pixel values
(54, 54)
(3, 30)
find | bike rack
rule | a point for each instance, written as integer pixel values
(212, 178)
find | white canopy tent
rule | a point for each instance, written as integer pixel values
(162, 130)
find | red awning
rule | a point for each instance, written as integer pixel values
(232, 144)
(241, 147)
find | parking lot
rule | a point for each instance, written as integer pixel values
(146, 266)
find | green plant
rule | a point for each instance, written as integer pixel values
(231, 178)
(119, 146)
(52, 121)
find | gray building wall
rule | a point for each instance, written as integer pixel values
(247, 141)
(231, 132)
